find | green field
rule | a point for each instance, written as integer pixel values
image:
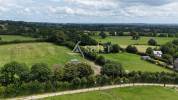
(141, 44)
(14, 37)
(30, 53)
(128, 93)
(127, 40)
(133, 62)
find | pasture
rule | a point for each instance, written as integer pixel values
(141, 44)
(14, 37)
(127, 40)
(127, 93)
(133, 62)
(30, 53)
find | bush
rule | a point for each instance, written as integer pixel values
(115, 48)
(152, 42)
(103, 35)
(76, 82)
(13, 72)
(149, 51)
(40, 72)
(100, 60)
(84, 70)
(112, 69)
(103, 80)
(131, 49)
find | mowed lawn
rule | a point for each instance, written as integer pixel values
(133, 62)
(127, 93)
(31, 53)
(14, 37)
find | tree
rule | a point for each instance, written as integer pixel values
(103, 35)
(149, 50)
(112, 69)
(135, 36)
(168, 58)
(76, 82)
(40, 72)
(87, 40)
(84, 70)
(58, 37)
(14, 71)
(91, 80)
(58, 73)
(103, 80)
(115, 48)
(152, 42)
(84, 81)
(70, 72)
(131, 49)
(100, 60)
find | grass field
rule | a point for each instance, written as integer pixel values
(124, 41)
(30, 53)
(132, 62)
(128, 93)
(127, 40)
(15, 37)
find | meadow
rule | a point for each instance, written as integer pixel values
(127, 40)
(141, 44)
(31, 53)
(133, 62)
(127, 93)
(14, 37)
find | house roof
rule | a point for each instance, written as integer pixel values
(157, 52)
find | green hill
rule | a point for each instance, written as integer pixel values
(128, 93)
(133, 62)
(30, 53)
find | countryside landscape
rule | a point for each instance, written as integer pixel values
(88, 50)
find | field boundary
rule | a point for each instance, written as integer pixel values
(41, 96)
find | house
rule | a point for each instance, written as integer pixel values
(176, 64)
(157, 53)
(145, 57)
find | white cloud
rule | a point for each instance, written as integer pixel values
(85, 9)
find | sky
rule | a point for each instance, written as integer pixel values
(90, 11)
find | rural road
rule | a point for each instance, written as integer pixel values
(41, 96)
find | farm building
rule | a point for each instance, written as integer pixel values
(157, 53)
(145, 57)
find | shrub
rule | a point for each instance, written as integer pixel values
(84, 70)
(149, 51)
(13, 72)
(40, 72)
(112, 69)
(103, 35)
(152, 42)
(100, 60)
(115, 48)
(131, 49)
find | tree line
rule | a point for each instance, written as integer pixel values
(18, 79)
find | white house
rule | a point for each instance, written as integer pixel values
(157, 53)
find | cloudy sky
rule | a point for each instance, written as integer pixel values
(90, 11)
